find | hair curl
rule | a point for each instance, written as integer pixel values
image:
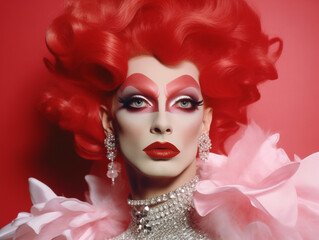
(93, 40)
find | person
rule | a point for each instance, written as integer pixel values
(166, 82)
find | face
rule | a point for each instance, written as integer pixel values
(159, 116)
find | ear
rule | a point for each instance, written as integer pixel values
(207, 119)
(106, 118)
(275, 49)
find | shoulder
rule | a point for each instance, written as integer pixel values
(257, 192)
(56, 217)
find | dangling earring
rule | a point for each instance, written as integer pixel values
(113, 167)
(204, 145)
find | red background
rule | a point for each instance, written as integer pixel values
(31, 146)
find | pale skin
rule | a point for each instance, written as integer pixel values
(158, 104)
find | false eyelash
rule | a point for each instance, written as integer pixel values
(197, 103)
(194, 102)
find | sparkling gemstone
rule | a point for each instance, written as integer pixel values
(165, 197)
(138, 214)
(111, 155)
(142, 220)
(172, 195)
(146, 210)
(116, 166)
(148, 227)
(112, 174)
(110, 165)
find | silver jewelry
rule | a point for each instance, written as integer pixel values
(165, 196)
(169, 216)
(204, 145)
(113, 167)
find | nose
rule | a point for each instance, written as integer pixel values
(161, 123)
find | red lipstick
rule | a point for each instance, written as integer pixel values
(158, 150)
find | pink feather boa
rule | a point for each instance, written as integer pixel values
(254, 193)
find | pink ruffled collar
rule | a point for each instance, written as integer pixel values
(54, 217)
(257, 192)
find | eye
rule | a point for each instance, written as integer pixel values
(186, 103)
(138, 103)
(135, 102)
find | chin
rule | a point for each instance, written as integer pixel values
(162, 169)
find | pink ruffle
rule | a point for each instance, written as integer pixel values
(54, 217)
(258, 193)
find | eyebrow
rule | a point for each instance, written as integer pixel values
(181, 83)
(141, 83)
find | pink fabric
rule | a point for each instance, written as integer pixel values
(254, 193)
(54, 217)
(258, 193)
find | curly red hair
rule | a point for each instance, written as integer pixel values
(93, 40)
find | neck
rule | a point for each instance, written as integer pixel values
(144, 187)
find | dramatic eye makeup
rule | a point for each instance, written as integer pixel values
(135, 102)
(183, 94)
(182, 83)
(140, 94)
(185, 103)
(141, 83)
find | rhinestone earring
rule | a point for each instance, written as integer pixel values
(113, 167)
(204, 145)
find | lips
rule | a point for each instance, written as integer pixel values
(158, 150)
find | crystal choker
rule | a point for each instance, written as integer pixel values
(166, 196)
(169, 216)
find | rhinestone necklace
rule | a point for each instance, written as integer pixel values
(187, 187)
(171, 218)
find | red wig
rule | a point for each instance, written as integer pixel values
(93, 40)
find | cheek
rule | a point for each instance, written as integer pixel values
(188, 127)
(132, 130)
(131, 123)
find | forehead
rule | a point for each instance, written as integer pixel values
(158, 72)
